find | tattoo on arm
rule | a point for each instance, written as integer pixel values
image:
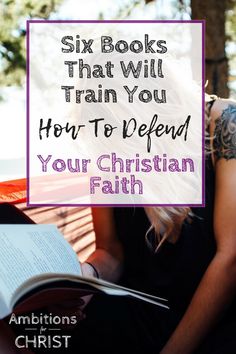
(225, 134)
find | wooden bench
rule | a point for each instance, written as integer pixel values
(75, 223)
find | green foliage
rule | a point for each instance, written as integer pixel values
(13, 14)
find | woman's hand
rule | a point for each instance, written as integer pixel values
(87, 271)
(74, 306)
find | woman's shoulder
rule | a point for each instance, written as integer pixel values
(223, 128)
(223, 108)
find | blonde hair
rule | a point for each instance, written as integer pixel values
(166, 222)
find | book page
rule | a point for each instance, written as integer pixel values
(89, 285)
(30, 250)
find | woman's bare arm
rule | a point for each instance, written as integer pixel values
(217, 288)
(108, 256)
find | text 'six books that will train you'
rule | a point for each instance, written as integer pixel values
(37, 263)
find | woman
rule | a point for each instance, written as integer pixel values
(189, 256)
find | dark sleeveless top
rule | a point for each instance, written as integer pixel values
(176, 269)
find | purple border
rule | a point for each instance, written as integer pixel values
(27, 112)
(202, 22)
(203, 112)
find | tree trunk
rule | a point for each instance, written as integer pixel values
(216, 69)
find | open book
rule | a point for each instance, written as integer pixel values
(37, 263)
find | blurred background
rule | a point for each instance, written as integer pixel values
(220, 16)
